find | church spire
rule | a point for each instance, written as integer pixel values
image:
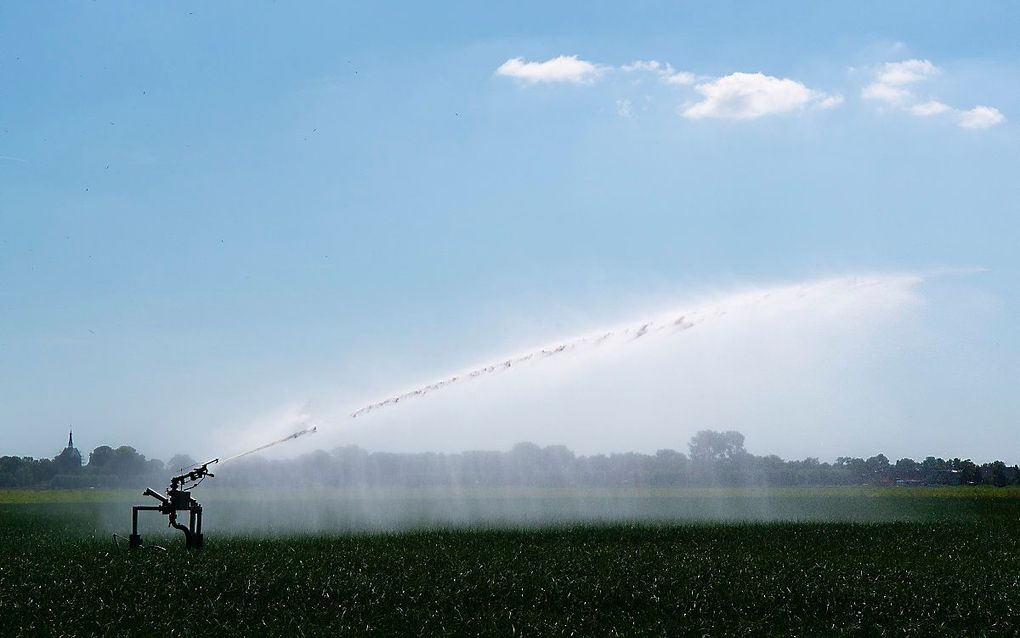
(70, 438)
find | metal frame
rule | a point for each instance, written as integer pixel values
(177, 499)
(192, 531)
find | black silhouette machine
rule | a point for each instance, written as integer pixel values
(178, 499)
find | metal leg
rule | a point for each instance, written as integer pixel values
(196, 526)
(134, 540)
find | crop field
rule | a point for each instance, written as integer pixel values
(896, 561)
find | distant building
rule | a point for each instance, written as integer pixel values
(69, 458)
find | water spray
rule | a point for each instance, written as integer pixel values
(290, 437)
(675, 323)
(178, 497)
(666, 324)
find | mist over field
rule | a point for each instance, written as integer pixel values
(803, 371)
(312, 511)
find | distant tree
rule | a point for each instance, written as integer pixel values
(318, 465)
(932, 468)
(709, 446)
(179, 462)
(999, 478)
(17, 471)
(878, 464)
(154, 467)
(123, 462)
(527, 450)
(101, 458)
(668, 467)
(856, 466)
(907, 469)
(42, 471)
(559, 464)
(559, 454)
(128, 462)
(670, 457)
(970, 473)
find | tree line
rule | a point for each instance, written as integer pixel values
(712, 458)
(123, 466)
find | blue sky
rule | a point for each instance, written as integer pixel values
(209, 212)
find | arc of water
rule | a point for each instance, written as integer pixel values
(637, 331)
(675, 322)
(289, 437)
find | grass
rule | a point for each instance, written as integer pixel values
(953, 566)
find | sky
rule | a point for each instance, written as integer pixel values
(218, 222)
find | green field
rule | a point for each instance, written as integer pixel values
(817, 561)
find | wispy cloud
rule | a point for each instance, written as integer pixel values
(624, 109)
(746, 96)
(564, 68)
(892, 80)
(931, 107)
(893, 86)
(665, 72)
(830, 102)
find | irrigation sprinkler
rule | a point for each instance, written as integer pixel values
(178, 499)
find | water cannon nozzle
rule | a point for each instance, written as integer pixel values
(154, 494)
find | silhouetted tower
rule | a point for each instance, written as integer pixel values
(70, 457)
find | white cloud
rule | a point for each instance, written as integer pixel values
(885, 93)
(981, 117)
(564, 68)
(890, 87)
(681, 78)
(745, 96)
(893, 78)
(649, 66)
(907, 72)
(931, 107)
(665, 72)
(830, 102)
